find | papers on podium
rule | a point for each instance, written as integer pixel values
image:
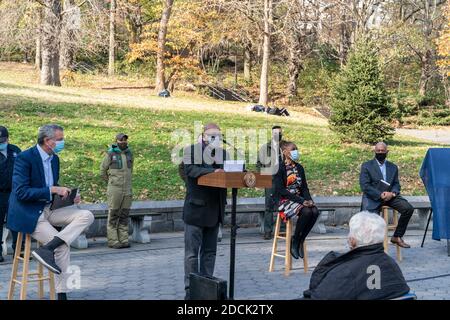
(233, 165)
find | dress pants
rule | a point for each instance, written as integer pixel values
(74, 221)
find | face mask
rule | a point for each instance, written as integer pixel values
(3, 146)
(213, 140)
(295, 155)
(59, 146)
(122, 146)
(380, 156)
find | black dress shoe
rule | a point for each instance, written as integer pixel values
(124, 245)
(267, 235)
(294, 249)
(301, 253)
(47, 258)
(1, 258)
(62, 296)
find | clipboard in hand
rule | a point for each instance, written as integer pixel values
(58, 201)
(384, 186)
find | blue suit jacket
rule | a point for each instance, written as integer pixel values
(369, 180)
(29, 191)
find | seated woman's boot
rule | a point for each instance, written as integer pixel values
(294, 248)
(300, 251)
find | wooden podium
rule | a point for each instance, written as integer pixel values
(235, 181)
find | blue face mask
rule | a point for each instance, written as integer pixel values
(3, 146)
(295, 155)
(59, 146)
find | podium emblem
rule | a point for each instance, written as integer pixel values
(250, 179)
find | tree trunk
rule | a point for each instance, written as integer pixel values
(160, 69)
(37, 56)
(38, 52)
(264, 81)
(135, 33)
(247, 62)
(68, 42)
(425, 72)
(294, 71)
(112, 40)
(133, 22)
(344, 39)
(50, 43)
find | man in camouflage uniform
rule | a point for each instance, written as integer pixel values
(117, 168)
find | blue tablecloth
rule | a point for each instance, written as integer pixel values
(435, 174)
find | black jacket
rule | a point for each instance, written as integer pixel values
(279, 181)
(369, 181)
(6, 168)
(346, 276)
(264, 159)
(203, 206)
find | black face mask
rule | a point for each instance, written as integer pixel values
(122, 146)
(380, 156)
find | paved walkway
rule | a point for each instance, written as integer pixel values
(155, 270)
(434, 135)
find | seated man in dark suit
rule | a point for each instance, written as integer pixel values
(381, 187)
(204, 206)
(365, 272)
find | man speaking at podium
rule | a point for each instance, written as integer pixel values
(204, 206)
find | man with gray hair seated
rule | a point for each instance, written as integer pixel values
(365, 272)
(34, 186)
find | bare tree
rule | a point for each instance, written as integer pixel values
(299, 34)
(37, 56)
(160, 70)
(112, 40)
(264, 80)
(51, 31)
(415, 25)
(69, 34)
(428, 16)
(133, 19)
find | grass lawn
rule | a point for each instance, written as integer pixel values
(92, 116)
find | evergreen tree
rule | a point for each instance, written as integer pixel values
(360, 110)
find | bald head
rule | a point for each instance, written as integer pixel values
(211, 133)
(381, 151)
(381, 147)
(209, 126)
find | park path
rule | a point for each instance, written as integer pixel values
(155, 270)
(434, 135)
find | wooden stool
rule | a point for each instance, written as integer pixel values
(286, 236)
(393, 226)
(26, 274)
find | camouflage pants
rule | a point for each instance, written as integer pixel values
(119, 211)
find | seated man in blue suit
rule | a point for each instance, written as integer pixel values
(34, 182)
(381, 187)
